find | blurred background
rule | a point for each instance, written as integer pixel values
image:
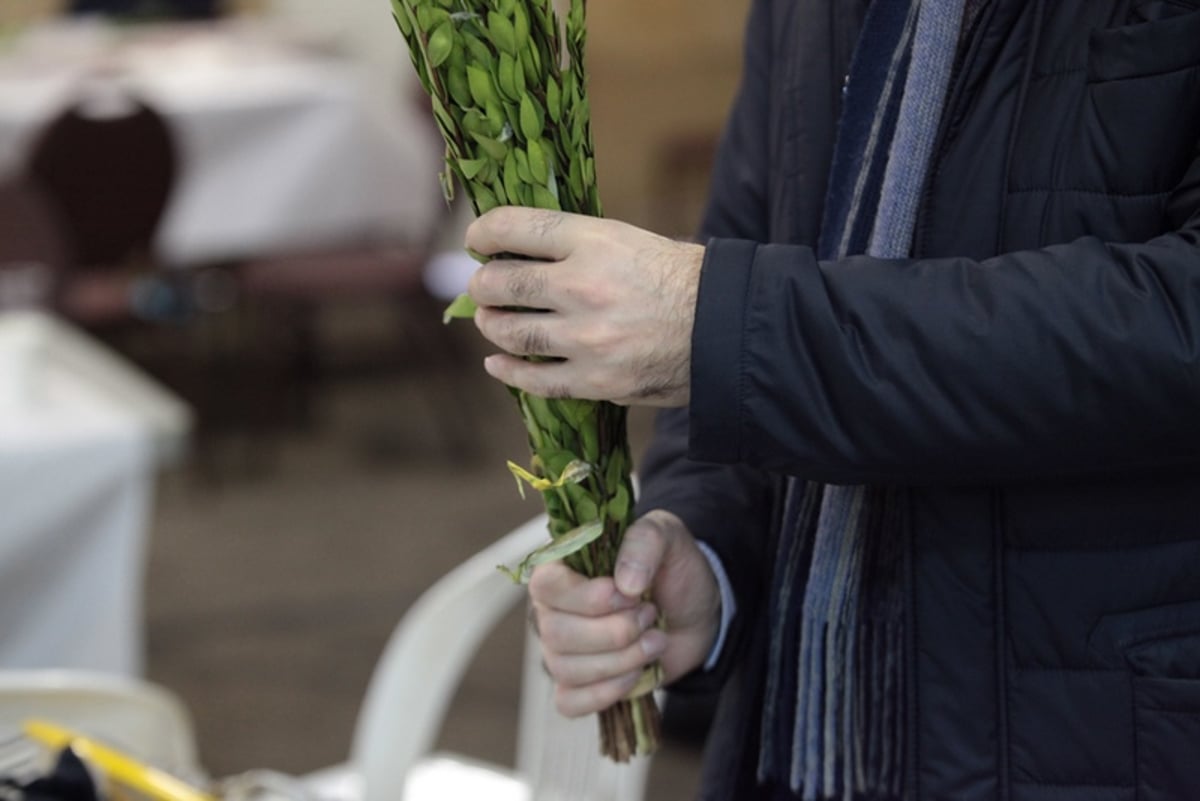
(245, 444)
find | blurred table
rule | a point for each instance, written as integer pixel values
(283, 147)
(81, 438)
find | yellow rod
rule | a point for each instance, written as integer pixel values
(116, 766)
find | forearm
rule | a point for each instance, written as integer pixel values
(1059, 362)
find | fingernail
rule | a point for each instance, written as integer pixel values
(632, 577)
(646, 616)
(654, 643)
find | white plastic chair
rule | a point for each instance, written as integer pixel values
(135, 716)
(414, 682)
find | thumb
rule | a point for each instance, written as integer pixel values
(641, 553)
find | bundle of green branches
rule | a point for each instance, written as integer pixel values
(506, 79)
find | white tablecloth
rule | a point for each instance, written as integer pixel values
(81, 436)
(281, 148)
(75, 495)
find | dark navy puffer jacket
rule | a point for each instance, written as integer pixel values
(1031, 378)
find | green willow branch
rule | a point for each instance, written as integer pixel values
(507, 84)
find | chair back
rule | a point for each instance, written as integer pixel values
(422, 665)
(33, 252)
(109, 163)
(137, 717)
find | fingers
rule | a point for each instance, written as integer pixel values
(574, 702)
(564, 633)
(537, 233)
(559, 587)
(507, 282)
(544, 379)
(595, 640)
(641, 555)
(521, 333)
(596, 661)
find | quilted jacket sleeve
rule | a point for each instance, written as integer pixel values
(1065, 362)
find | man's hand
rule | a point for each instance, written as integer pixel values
(598, 634)
(609, 305)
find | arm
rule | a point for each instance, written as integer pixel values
(1063, 362)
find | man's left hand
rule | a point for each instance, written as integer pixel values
(608, 306)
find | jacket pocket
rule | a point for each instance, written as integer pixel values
(1160, 647)
(1166, 42)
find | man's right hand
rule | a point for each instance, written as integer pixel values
(598, 634)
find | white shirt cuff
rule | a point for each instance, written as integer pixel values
(728, 603)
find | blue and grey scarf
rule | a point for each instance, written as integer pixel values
(833, 723)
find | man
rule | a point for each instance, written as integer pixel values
(931, 516)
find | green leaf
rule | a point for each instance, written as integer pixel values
(577, 413)
(502, 33)
(521, 27)
(588, 437)
(512, 181)
(498, 190)
(540, 409)
(543, 199)
(618, 505)
(612, 474)
(480, 83)
(441, 42)
(474, 122)
(553, 100)
(519, 80)
(403, 22)
(456, 83)
(463, 308)
(496, 119)
(537, 161)
(494, 149)
(533, 121)
(523, 166)
(481, 54)
(575, 178)
(485, 201)
(506, 76)
(429, 17)
(471, 167)
(558, 548)
(585, 509)
(531, 63)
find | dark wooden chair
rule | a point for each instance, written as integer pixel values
(108, 165)
(33, 250)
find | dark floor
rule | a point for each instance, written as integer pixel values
(275, 581)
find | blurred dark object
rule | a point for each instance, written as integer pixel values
(148, 9)
(69, 780)
(33, 252)
(108, 164)
(297, 288)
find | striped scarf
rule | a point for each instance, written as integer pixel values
(833, 714)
